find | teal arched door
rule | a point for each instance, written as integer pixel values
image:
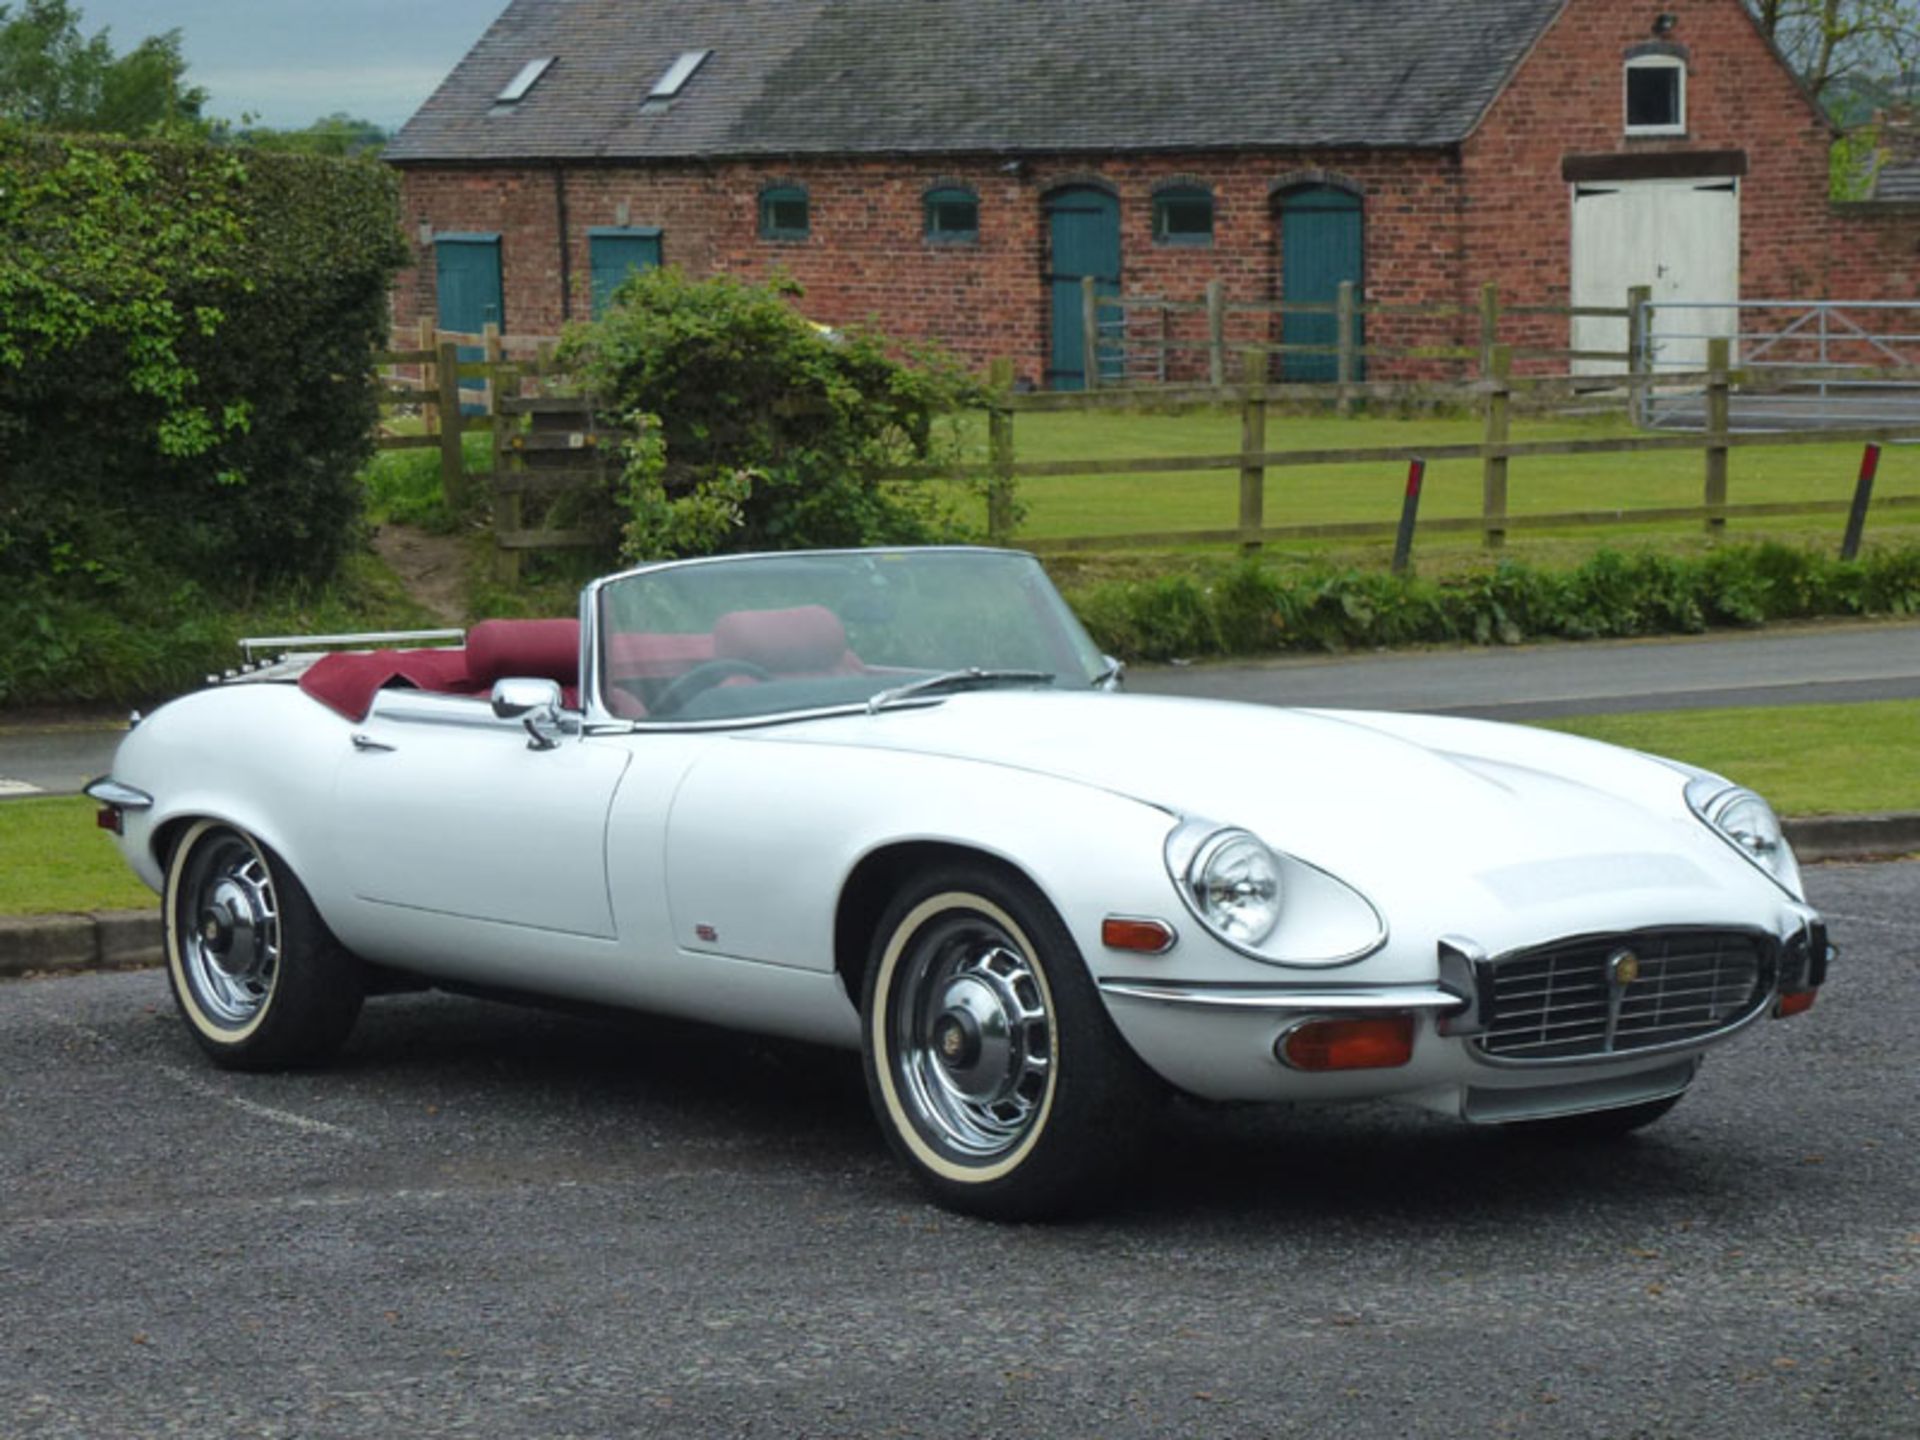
(467, 285)
(1322, 242)
(1083, 231)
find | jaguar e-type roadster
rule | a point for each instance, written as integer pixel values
(888, 800)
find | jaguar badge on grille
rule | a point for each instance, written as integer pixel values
(1623, 968)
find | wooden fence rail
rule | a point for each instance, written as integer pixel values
(1494, 391)
(544, 446)
(1123, 337)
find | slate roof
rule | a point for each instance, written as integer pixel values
(837, 77)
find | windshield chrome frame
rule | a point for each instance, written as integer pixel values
(600, 720)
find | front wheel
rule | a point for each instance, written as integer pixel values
(990, 1062)
(258, 977)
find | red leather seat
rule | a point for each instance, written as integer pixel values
(805, 640)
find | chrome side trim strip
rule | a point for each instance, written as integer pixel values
(1321, 999)
(121, 797)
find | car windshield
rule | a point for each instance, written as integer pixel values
(765, 635)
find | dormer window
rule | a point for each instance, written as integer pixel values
(527, 77)
(1656, 94)
(668, 87)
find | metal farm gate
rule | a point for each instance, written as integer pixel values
(1841, 336)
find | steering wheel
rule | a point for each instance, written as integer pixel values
(702, 678)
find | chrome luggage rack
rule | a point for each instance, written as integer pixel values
(284, 657)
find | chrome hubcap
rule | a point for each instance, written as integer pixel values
(231, 949)
(973, 1040)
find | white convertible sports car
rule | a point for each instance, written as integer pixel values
(887, 800)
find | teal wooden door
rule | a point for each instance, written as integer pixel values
(467, 283)
(615, 253)
(1322, 242)
(1083, 227)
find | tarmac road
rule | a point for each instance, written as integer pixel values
(1790, 666)
(493, 1222)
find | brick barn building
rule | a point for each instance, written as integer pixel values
(951, 169)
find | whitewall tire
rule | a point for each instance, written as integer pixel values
(256, 974)
(992, 1067)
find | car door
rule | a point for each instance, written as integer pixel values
(445, 808)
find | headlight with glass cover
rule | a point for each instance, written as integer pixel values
(1267, 904)
(1748, 824)
(1234, 886)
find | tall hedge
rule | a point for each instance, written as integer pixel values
(185, 386)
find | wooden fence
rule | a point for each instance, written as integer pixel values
(1494, 395)
(543, 445)
(1142, 335)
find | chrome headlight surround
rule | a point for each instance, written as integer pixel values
(1748, 824)
(1230, 880)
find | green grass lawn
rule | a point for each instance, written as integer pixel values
(1807, 760)
(1116, 505)
(54, 858)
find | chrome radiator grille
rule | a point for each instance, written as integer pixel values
(1615, 994)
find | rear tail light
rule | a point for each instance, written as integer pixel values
(1382, 1042)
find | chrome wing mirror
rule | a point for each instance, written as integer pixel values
(536, 705)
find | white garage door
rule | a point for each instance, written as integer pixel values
(1680, 237)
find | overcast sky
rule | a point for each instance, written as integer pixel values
(288, 62)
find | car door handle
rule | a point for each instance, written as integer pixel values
(364, 741)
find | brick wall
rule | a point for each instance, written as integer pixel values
(1566, 99)
(868, 260)
(1439, 223)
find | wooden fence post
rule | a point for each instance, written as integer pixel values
(1489, 325)
(495, 353)
(1216, 334)
(1253, 441)
(453, 466)
(508, 514)
(1719, 357)
(1639, 362)
(1343, 345)
(424, 340)
(1090, 330)
(1493, 468)
(1000, 454)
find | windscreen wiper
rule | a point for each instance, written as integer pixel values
(950, 681)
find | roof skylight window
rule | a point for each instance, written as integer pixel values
(678, 74)
(528, 77)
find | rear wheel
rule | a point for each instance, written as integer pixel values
(258, 977)
(990, 1061)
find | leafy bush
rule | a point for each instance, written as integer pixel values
(1253, 609)
(756, 430)
(185, 377)
(161, 633)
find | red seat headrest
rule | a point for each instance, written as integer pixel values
(805, 638)
(533, 649)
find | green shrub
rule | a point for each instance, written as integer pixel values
(185, 377)
(1252, 609)
(756, 430)
(160, 634)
